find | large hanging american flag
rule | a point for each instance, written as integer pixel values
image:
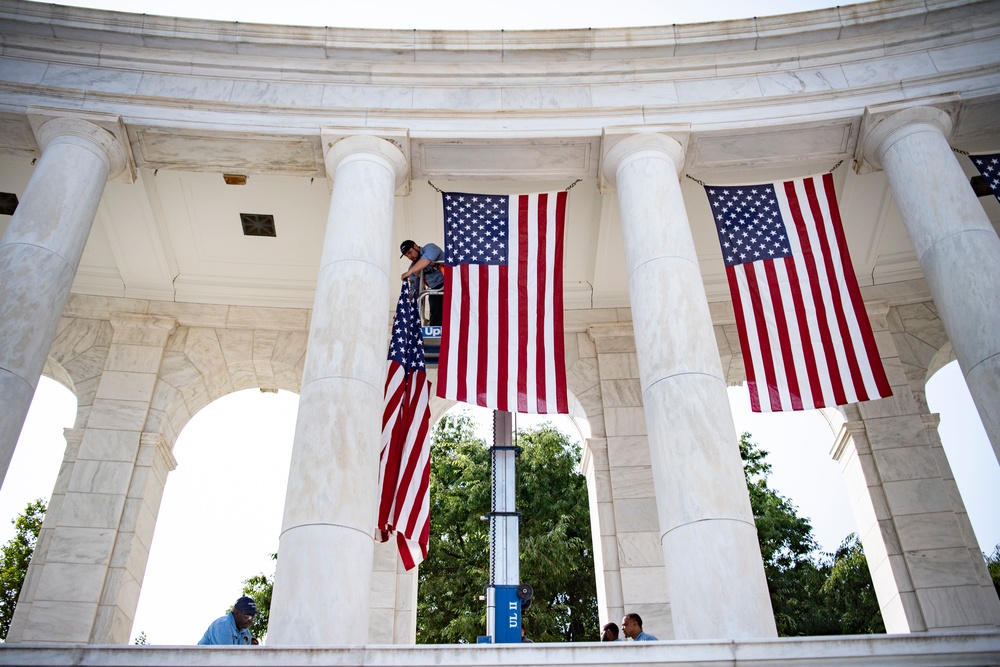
(405, 463)
(502, 345)
(989, 167)
(805, 335)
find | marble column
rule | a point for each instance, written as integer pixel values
(956, 245)
(40, 253)
(715, 576)
(325, 554)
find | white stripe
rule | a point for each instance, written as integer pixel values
(531, 304)
(513, 344)
(753, 339)
(472, 333)
(550, 308)
(493, 309)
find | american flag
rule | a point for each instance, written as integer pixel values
(502, 345)
(805, 335)
(405, 463)
(989, 167)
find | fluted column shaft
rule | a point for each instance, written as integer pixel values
(956, 245)
(325, 554)
(714, 571)
(39, 256)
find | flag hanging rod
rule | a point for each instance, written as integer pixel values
(566, 189)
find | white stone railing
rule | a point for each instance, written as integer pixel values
(858, 651)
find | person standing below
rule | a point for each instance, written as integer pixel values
(422, 261)
(632, 628)
(231, 629)
(609, 633)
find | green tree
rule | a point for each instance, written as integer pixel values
(142, 639)
(14, 559)
(786, 547)
(555, 541)
(993, 565)
(849, 594)
(259, 587)
(811, 594)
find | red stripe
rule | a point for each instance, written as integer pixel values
(462, 379)
(502, 345)
(853, 369)
(483, 343)
(741, 328)
(815, 389)
(784, 342)
(540, 285)
(447, 328)
(764, 340)
(851, 280)
(522, 305)
(391, 453)
(406, 513)
(809, 260)
(559, 354)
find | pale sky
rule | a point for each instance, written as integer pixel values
(221, 510)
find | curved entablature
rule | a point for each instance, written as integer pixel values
(193, 75)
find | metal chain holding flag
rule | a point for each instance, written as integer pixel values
(803, 328)
(405, 462)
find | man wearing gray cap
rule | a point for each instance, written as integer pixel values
(422, 261)
(231, 629)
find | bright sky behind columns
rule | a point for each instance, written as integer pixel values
(221, 511)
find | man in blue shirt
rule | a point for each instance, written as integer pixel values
(632, 628)
(422, 261)
(231, 629)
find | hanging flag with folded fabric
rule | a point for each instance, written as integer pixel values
(405, 462)
(989, 167)
(804, 332)
(502, 344)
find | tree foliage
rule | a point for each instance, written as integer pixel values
(848, 593)
(993, 565)
(14, 559)
(555, 541)
(259, 587)
(811, 593)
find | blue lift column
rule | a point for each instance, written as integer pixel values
(503, 606)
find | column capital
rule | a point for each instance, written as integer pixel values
(621, 148)
(884, 124)
(141, 329)
(848, 431)
(390, 146)
(101, 134)
(155, 443)
(931, 420)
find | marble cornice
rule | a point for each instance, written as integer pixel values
(295, 55)
(874, 19)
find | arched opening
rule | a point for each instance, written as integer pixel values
(798, 446)
(969, 453)
(39, 452)
(220, 516)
